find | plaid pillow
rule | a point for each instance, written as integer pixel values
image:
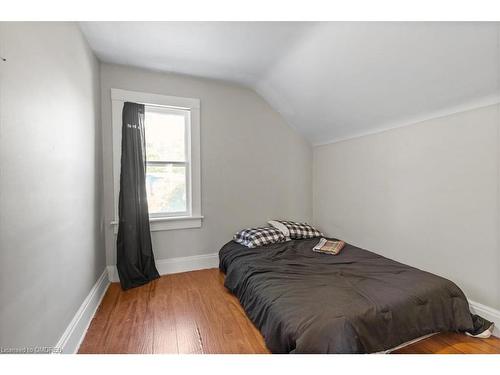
(256, 237)
(300, 230)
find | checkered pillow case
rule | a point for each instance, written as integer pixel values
(299, 231)
(256, 237)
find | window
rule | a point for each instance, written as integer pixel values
(172, 158)
(167, 182)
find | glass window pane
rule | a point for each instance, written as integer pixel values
(165, 135)
(166, 188)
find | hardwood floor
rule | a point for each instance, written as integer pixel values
(192, 312)
(188, 312)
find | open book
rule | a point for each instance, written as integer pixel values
(332, 247)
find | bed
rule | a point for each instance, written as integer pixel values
(353, 302)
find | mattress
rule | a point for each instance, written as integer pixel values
(353, 302)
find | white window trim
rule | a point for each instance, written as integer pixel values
(118, 98)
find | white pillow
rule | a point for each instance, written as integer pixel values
(281, 227)
(294, 230)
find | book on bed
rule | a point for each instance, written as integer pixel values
(332, 247)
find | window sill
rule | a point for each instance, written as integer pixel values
(157, 224)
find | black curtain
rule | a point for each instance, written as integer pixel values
(135, 259)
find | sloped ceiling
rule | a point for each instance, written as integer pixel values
(330, 80)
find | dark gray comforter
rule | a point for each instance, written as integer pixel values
(354, 302)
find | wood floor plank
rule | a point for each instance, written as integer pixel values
(413, 349)
(467, 344)
(492, 342)
(140, 323)
(97, 331)
(164, 324)
(245, 326)
(456, 343)
(193, 312)
(438, 346)
(188, 334)
(220, 337)
(132, 333)
(129, 330)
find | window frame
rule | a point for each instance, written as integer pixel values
(192, 218)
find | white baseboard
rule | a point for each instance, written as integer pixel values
(75, 332)
(488, 313)
(176, 265)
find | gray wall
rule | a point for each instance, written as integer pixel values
(426, 195)
(254, 166)
(51, 233)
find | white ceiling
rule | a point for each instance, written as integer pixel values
(330, 80)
